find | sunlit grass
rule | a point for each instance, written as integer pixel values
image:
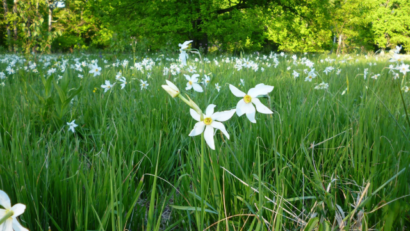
(321, 154)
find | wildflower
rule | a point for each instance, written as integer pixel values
(2, 75)
(218, 88)
(322, 85)
(171, 89)
(405, 89)
(344, 92)
(11, 223)
(210, 121)
(80, 76)
(193, 83)
(183, 55)
(375, 76)
(94, 90)
(311, 75)
(207, 80)
(245, 106)
(295, 74)
(107, 85)
(365, 73)
(242, 83)
(144, 84)
(72, 125)
(123, 82)
(95, 69)
(404, 68)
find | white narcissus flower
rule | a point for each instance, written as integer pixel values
(144, 84)
(171, 89)
(404, 68)
(95, 69)
(218, 88)
(72, 126)
(11, 223)
(123, 82)
(210, 121)
(193, 83)
(107, 85)
(245, 106)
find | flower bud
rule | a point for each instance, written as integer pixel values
(171, 89)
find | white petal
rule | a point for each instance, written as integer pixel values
(240, 107)
(7, 225)
(18, 209)
(221, 127)
(197, 87)
(5, 200)
(172, 85)
(194, 114)
(2, 213)
(187, 77)
(223, 115)
(194, 77)
(198, 129)
(260, 107)
(251, 115)
(209, 137)
(210, 110)
(236, 91)
(17, 226)
(188, 86)
(264, 88)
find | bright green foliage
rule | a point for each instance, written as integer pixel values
(228, 25)
(391, 23)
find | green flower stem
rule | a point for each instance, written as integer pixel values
(201, 225)
(9, 214)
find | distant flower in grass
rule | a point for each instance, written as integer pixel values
(123, 82)
(404, 68)
(217, 87)
(11, 223)
(2, 75)
(406, 89)
(207, 80)
(242, 83)
(295, 74)
(311, 75)
(210, 121)
(322, 85)
(95, 69)
(193, 83)
(183, 55)
(375, 77)
(72, 126)
(144, 84)
(171, 89)
(246, 104)
(107, 86)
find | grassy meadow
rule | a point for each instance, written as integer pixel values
(331, 156)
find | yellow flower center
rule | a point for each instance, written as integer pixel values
(190, 82)
(207, 120)
(247, 98)
(96, 70)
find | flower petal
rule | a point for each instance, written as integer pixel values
(251, 114)
(194, 77)
(17, 226)
(240, 107)
(220, 126)
(264, 88)
(260, 107)
(209, 137)
(236, 92)
(7, 225)
(194, 114)
(18, 209)
(187, 77)
(172, 85)
(223, 115)
(197, 87)
(198, 129)
(210, 110)
(5, 200)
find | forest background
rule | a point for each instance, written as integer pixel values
(215, 26)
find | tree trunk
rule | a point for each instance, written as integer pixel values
(15, 23)
(339, 45)
(50, 17)
(8, 24)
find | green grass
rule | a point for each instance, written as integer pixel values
(320, 153)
